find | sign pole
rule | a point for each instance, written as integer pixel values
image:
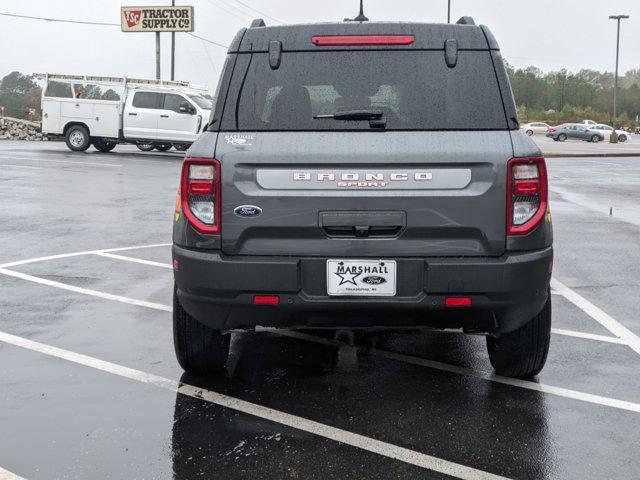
(173, 48)
(157, 55)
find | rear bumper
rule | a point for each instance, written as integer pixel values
(506, 292)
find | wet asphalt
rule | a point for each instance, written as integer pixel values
(60, 419)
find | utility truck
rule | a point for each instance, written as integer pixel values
(105, 111)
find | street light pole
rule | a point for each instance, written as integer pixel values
(615, 82)
(173, 48)
(448, 11)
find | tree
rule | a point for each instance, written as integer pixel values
(18, 93)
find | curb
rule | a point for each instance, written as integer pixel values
(590, 155)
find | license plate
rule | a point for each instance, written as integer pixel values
(367, 278)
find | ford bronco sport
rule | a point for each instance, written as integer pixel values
(364, 175)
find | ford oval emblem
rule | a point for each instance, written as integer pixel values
(247, 211)
(374, 280)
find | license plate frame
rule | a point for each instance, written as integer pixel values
(361, 277)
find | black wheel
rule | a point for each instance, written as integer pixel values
(622, 138)
(145, 147)
(104, 145)
(77, 138)
(562, 137)
(163, 147)
(199, 349)
(523, 352)
(555, 139)
(595, 138)
(181, 147)
(529, 132)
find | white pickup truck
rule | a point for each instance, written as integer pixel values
(106, 111)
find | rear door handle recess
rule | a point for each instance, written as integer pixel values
(133, 114)
(362, 224)
(164, 116)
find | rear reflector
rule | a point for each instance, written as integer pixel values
(266, 299)
(458, 302)
(526, 187)
(354, 40)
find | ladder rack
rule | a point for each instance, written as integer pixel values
(124, 81)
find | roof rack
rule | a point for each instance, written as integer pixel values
(258, 22)
(465, 21)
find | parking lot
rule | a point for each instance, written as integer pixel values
(575, 148)
(91, 388)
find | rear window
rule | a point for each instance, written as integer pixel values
(414, 89)
(146, 100)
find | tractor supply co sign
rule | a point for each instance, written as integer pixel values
(157, 19)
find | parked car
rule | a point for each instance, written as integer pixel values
(329, 193)
(623, 136)
(105, 111)
(589, 122)
(535, 128)
(575, 131)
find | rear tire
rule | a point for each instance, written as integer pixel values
(145, 147)
(523, 352)
(77, 138)
(562, 137)
(181, 147)
(529, 132)
(104, 146)
(622, 138)
(595, 139)
(199, 349)
(163, 147)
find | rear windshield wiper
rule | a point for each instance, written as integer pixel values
(375, 117)
(354, 115)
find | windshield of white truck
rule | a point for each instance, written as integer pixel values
(202, 102)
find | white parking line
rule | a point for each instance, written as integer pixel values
(603, 318)
(78, 254)
(362, 442)
(588, 336)
(20, 166)
(515, 382)
(7, 475)
(85, 291)
(32, 159)
(563, 392)
(135, 260)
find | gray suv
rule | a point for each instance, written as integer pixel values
(364, 175)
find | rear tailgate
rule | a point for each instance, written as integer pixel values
(363, 194)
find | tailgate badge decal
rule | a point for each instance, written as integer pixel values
(247, 211)
(239, 139)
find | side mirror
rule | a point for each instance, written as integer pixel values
(186, 107)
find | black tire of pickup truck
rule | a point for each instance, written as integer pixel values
(104, 146)
(199, 349)
(523, 352)
(77, 138)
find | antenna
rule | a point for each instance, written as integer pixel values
(361, 16)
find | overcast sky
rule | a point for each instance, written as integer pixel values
(550, 34)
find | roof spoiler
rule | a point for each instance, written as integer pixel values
(466, 21)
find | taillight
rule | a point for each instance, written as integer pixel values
(355, 40)
(552, 129)
(200, 194)
(526, 194)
